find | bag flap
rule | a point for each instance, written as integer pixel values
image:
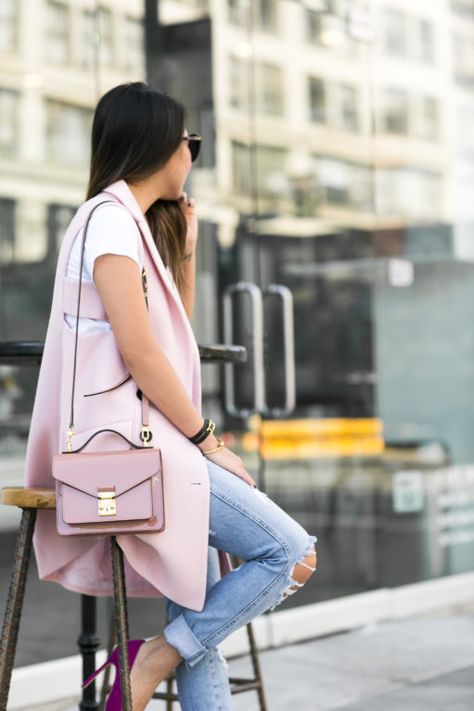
(124, 469)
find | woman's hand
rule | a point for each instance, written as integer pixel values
(226, 459)
(189, 210)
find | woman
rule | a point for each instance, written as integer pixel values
(141, 156)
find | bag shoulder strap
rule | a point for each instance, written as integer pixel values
(145, 433)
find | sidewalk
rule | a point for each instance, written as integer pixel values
(422, 663)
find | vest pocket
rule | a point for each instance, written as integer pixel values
(93, 351)
(112, 387)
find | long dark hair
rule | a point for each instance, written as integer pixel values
(135, 130)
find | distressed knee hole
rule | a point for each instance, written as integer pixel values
(304, 570)
(301, 571)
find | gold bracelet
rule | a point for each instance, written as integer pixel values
(221, 445)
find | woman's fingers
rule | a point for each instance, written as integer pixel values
(233, 463)
(246, 477)
(241, 471)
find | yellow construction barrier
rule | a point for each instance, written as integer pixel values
(310, 438)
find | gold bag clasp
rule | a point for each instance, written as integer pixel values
(107, 504)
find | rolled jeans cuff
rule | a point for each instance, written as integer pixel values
(180, 635)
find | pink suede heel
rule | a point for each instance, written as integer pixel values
(114, 700)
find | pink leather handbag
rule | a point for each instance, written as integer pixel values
(114, 491)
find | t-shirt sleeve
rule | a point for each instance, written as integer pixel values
(112, 230)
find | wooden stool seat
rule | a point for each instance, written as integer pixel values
(28, 498)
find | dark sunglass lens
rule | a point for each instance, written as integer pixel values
(194, 147)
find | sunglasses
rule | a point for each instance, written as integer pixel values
(194, 143)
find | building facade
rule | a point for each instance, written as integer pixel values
(337, 165)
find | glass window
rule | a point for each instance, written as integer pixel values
(271, 169)
(238, 83)
(464, 7)
(329, 29)
(7, 230)
(233, 11)
(465, 134)
(270, 89)
(395, 107)
(313, 26)
(132, 48)
(97, 36)
(8, 121)
(90, 38)
(68, 133)
(342, 182)
(238, 12)
(8, 25)
(57, 37)
(429, 117)
(411, 192)
(334, 177)
(267, 15)
(240, 168)
(262, 169)
(463, 57)
(348, 107)
(106, 37)
(425, 41)
(395, 33)
(317, 100)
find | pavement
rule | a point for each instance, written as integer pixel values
(421, 663)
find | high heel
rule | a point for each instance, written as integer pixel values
(114, 700)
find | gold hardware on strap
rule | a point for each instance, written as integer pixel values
(69, 435)
(107, 504)
(146, 434)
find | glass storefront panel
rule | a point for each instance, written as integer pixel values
(342, 174)
(334, 187)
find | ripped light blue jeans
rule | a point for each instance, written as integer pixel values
(245, 522)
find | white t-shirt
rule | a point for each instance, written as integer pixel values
(109, 231)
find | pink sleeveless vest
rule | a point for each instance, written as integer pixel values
(172, 563)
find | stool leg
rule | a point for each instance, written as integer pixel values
(256, 667)
(110, 645)
(121, 622)
(16, 593)
(169, 691)
(88, 643)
